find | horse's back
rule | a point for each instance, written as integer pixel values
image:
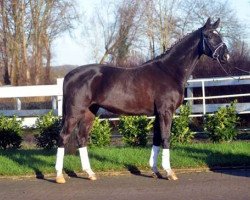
(80, 71)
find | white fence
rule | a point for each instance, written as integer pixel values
(55, 92)
(202, 109)
(29, 116)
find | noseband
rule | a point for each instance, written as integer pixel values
(214, 50)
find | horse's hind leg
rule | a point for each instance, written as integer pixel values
(68, 126)
(85, 126)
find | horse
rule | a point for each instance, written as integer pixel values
(153, 88)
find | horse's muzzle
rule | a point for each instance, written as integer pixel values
(226, 57)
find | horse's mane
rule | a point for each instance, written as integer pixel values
(170, 48)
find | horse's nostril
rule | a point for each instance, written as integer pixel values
(226, 56)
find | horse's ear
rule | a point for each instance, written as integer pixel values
(216, 24)
(208, 23)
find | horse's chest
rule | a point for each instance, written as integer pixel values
(171, 96)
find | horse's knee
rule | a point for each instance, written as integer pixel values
(63, 140)
(156, 141)
(82, 141)
(83, 135)
(165, 143)
(67, 129)
(85, 126)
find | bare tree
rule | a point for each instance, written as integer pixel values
(49, 19)
(28, 28)
(160, 24)
(152, 26)
(193, 13)
(119, 24)
(4, 45)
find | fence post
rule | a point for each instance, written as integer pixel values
(54, 103)
(190, 93)
(18, 104)
(60, 97)
(203, 97)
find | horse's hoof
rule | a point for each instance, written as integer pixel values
(172, 176)
(157, 175)
(92, 177)
(60, 180)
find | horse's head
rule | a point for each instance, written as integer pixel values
(212, 44)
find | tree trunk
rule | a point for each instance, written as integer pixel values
(25, 66)
(6, 75)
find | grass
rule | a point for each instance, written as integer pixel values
(37, 161)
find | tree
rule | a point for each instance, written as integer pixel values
(160, 25)
(194, 13)
(119, 24)
(152, 26)
(27, 30)
(3, 44)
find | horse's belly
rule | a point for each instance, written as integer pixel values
(129, 107)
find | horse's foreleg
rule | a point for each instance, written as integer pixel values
(155, 149)
(165, 121)
(153, 160)
(85, 126)
(166, 164)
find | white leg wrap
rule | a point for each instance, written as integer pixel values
(166, 160)
(59, 161)
(85, 160)
(153, 158)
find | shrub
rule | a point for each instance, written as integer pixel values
(10, 132)
(180, 131)
(135, 130)
(49, 127)
(100, 134)
(222, 125)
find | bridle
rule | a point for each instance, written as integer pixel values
(214, 50)
(215, 54)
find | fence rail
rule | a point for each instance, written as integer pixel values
(55, 92)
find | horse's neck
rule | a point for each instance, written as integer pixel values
(183, 57)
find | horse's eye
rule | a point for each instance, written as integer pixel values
(209, 36)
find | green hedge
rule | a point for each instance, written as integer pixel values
(100, 134)
(10, 132)
(180, 130)
(222, 125)
(135, 130)
(49, 127)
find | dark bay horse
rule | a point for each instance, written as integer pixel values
(153, 88)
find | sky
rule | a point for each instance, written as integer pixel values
(68, 50)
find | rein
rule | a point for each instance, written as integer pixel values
(225, 69)
(242, 70)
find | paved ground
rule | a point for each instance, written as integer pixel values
(220, 185)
